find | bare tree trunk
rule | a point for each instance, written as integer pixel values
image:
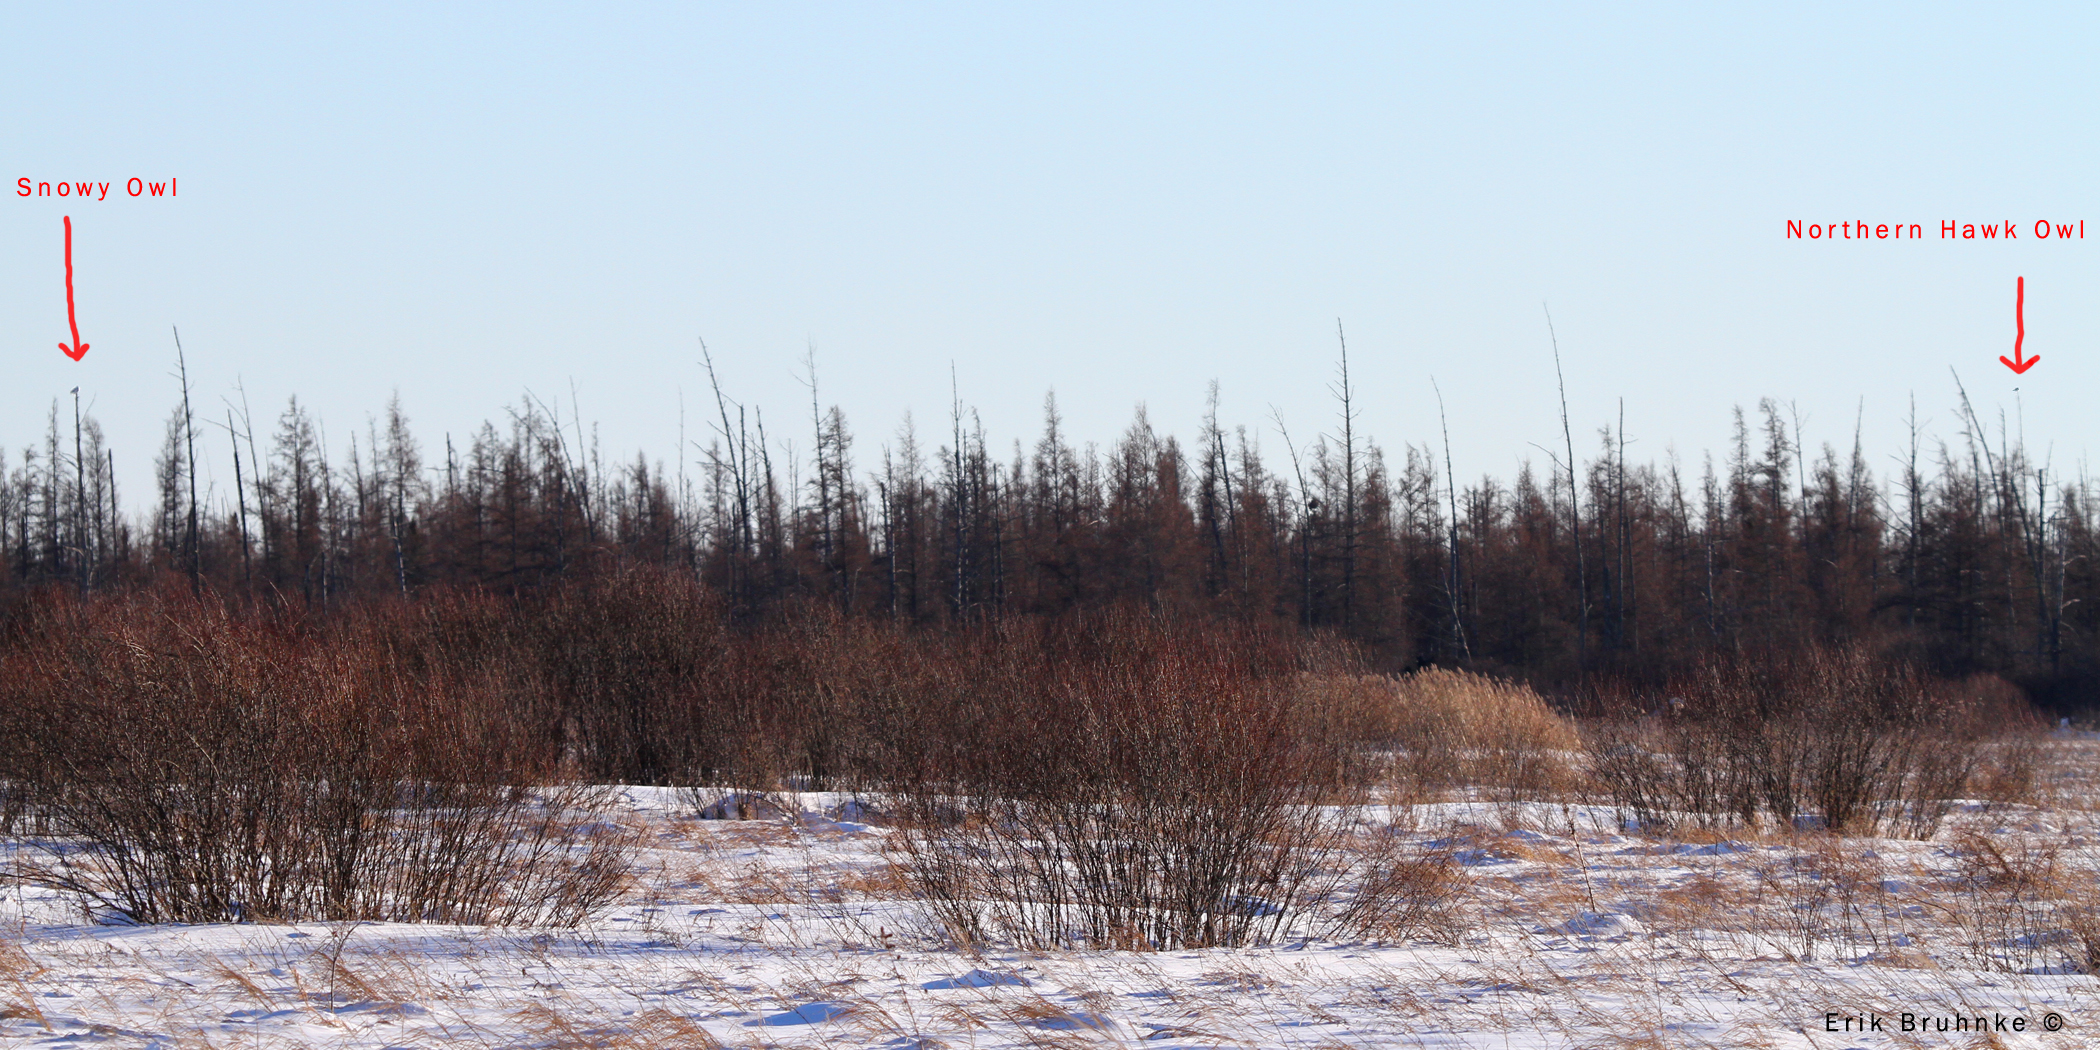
(80, 527)
(1582, 575)
(240, 493)
(1349, 509)
(189, 427)
(1451, 579)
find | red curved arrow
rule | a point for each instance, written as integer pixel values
(79, 349)
(2018, 364)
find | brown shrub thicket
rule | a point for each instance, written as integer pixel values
(179, 763)
(1108, 778)
(1827, 738)
(1127, 783)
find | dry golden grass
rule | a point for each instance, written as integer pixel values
(764, 880)
(1407, 893)
(1240, 980)
(1700, 902)
(882, 882)
(660, 1029)
(1452, 730)
(243, 985)
(17, 969)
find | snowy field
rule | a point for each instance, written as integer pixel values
(1566, 931)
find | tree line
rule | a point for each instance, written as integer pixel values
(1593, 572)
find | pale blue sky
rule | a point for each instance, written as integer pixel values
(1122, 202)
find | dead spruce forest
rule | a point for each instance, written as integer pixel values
(1953, 553)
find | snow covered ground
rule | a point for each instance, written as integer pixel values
(798, 933)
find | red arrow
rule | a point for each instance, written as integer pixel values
(79, 349)
(2017, 363)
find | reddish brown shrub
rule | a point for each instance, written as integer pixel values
(186, 764)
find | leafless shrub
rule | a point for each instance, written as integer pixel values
(1830, 739)
(2020, 902)
(1128, 784)
(2080, 915)
(627, 661)
(1633, 764)
(187, 765)
(1402, 892)
(1819, 892)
